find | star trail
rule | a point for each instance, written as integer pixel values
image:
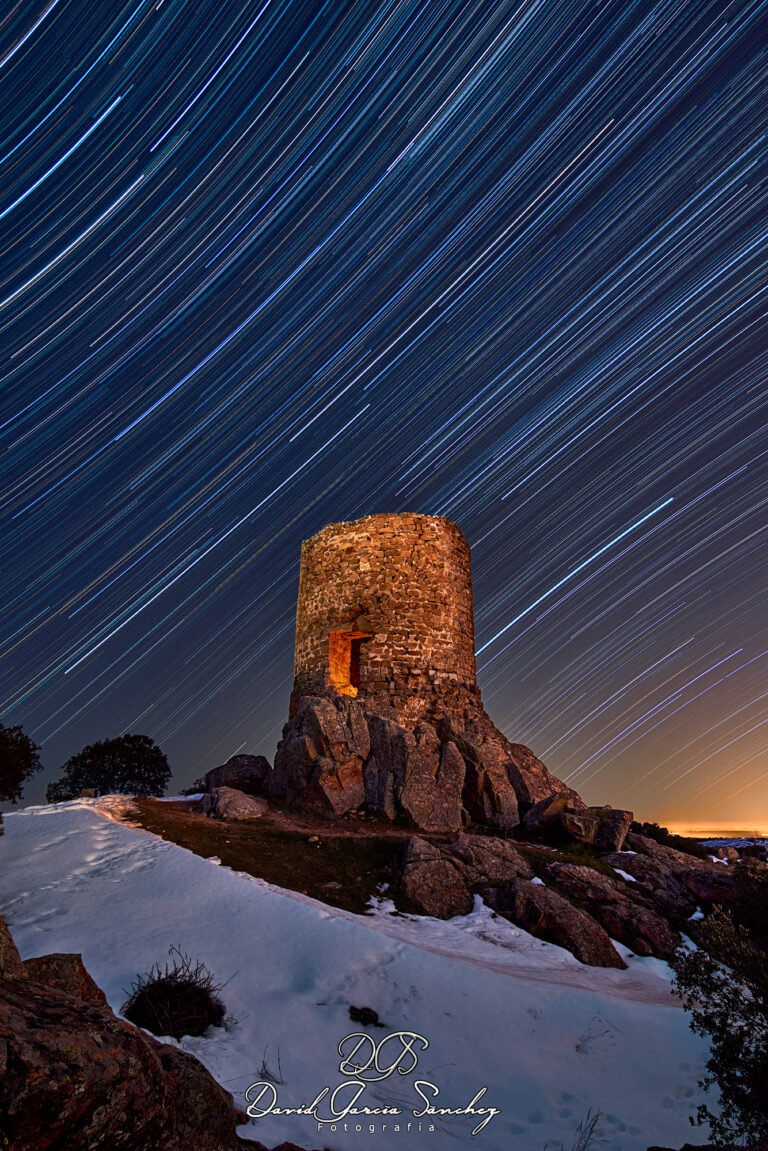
(267, 266)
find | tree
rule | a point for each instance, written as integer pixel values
(18, 760)
(724, 986)
(128, 764)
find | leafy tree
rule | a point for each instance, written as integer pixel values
(724, 986)
(129, 764)
(18, 760)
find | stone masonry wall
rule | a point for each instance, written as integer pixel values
(410, 575)
(385, 711)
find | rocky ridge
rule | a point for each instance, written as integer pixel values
(444, 769)
(599, 884)
(642, 897)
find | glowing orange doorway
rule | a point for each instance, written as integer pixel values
(344, 656)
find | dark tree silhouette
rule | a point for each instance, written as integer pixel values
(18, 760)
(724, 986)
(128, 764)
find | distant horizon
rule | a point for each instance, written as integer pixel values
(712, 830)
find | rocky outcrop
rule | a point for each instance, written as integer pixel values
(655, 879)
(247, 773)
(227, 803)
(676, 881)
(549, 916)
(649, 899)
(730, 854)
(489, 797)
(566, 816)
(75, 1076)
(384, 770)
(338, 754)
(319, 762)
(530, 779)
(65, 972)
(433, 783)
(601, 827)
(439, 881)
(609, 901)
(643, 845)
(545, 818)
(484, 859)
(712, 885)
(432, 883)
(11, 966)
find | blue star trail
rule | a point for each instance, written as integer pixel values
(267, 266)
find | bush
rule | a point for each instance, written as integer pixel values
(128, 764)
(667, 838)
(729, 1007)
(179, 999)
(194, 788)
(18, 760)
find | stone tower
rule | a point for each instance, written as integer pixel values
(385, 612)
(385, 710)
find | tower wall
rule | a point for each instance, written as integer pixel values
(409, 576)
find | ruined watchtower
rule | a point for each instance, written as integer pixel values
(385, 611)
(385, 711)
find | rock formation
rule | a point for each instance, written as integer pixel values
(549, 916)
(642, 897)
(75, 1076)
(246, 773)
(385, 711)
(229, 803)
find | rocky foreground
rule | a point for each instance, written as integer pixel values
(74, 1075)
(569, 874)
(644, 896)
(46, 1022)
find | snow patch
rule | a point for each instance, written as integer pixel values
(547, 1036)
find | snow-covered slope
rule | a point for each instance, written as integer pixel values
(548, 1037)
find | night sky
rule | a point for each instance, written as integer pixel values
(267, 266)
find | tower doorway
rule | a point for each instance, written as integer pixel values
(344, 646)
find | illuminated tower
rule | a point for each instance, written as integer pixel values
(385, 611)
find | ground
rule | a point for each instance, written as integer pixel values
(548, 1037)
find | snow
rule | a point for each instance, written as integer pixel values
(540, 882)
(625, 875)
(547, 1036)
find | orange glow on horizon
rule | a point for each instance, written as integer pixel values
(715, 830)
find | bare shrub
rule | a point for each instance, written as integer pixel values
(178, 999)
